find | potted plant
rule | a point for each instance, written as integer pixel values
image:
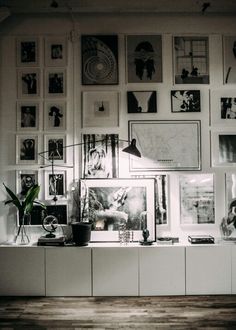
(24, 207)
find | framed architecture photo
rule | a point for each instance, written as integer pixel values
(59, 211)
(28, 116)
(55, 148)
(55, 51)
(99, 59)
(229, 55)
(144, 58)
(26, 149)
(55, 83)
(185, 101)
(197, 199)
(223, 108)
(141, 101)
(223, 148)
(27, 51)
(113, 203)
(28, 83)
(191, 59)
(55, 185)
(100, 156)
(55, 116)
(166, 145)
(25, 179)
(100, 109)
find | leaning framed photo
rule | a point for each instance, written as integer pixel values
(27, 51)
(28, 116)
(59, 211)
(55, 116)
(185, 101)
(25, 179)
(55, 51)
(141, 101)
(55, 149)
(223, 108)
(55, 185)
(166, 145)
(28, 83)
(229, 55)
(113, 203)
(26, 149)
(55, 82)
(223, 148)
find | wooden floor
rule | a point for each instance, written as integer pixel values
(178, 312)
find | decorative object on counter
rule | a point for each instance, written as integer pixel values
(167, 240)
(201, 239)
(145, 241)
(50, 224)
(81, 233)
(125, 235)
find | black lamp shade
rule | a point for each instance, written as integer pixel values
(132, 149)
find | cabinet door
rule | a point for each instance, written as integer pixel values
(162, 270)
(208, 269)
(115, 271)
(22, 271)
(233, 249)
(68, 271)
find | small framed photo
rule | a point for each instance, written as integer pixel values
(229, 55)
(55, 83)
(185, 101)
(26, 149)
(27, 51)
(55, 115)
(223, 107)
(25, 179)
(223, 148)
(141, 101)
(100, 109)
(56, 51)
(59, 211)
(28, 83)
(28, 116)
(55, 146)
(55, 185)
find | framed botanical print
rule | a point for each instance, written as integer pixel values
(141, 101)
(28, 83)
(99, 59)
(26, 149)
(55, 51)
(229, 55)
(144, 58)
(27, 51)
(55, 115)
(55, 146)
(223, 108)
(25, 179)
(185, 101)
(55, 83)
(223, 148)
(55, 185)
(28, 116)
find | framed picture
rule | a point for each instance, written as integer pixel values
(55, 148)
(100, 109)
(25, 179)
(55, 185)
(58, 210)
(27, 51)
(55, 51)
(100, 155)
(229, 55)
(55, 84)
(112, 203)
(28, 83)
(228, 224)
(26, 149)
(99, 59)
(223, 147)
(144, 58)
(141, 101)
(28, 116)
(55, 116)
(166, 145)
(223, 107)
(185, 101)
(191, 59)
(197, 199)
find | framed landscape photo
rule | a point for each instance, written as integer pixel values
(166, 145)
(100, 109)
(28, 116)
(55, 51)
(28, 83)
(26, 149)
(55, 148)
(185, 101)
(229, 55)
(99, 59)
(141, 101)
(25, 179)
(55, 185)
(223, 148)
(55, 115)
(112, 203)
(27, 51)
(55, 83)
(223, 108)
(144, 58)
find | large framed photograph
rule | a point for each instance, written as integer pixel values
(229, 55)
(228, 223)
(191, 59)
(185, 101)
(25, 179)
(114, 203)
(223, 147)
(55, 116)
(27, 51)
(100, 156)
(59, 211)
(55, 51)
(144, 58)
(28, 83)
(55, 185)
(28, 116)
(55, 148)
(223, 107)
(99, 59)
(141, 101)
(166, 145)
(197, 199)
(26, 149)
(100, 109)
(55, 83)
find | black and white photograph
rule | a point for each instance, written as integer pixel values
(59, 211)
(99, 59)
(228, 107)
(229, 54)
(55, 147)
(185, 101)
(141, 101)
(55, 115)
(26, 149)
(55, 184)
(55, 83)
(223, 107)
(28, 116)
(223, 148)
(27, 51)
(144, 58)
(228, 223)
(55, 51)
(25, 179)
(28, 83)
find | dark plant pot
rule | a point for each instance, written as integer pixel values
(81, 232)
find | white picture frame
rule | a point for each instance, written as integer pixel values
(26, 149)
(27, 51)
(25, 179)
(223, 150)
(55, 185)
(55, 82)
(55, 115)
(54, 146)
(55, 51)
(28, 115)
(28, 83)
(223, 108)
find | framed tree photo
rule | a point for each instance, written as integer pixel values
(28, 116)
(223, 108)
(55, 185)
(55, 51)
(55, 149)
(25, 179)
(141, 101)
(55, 83)
(229, 55)
(26, 149)
(28, 83)
(185, 101)
(27, 51)
(55, 116)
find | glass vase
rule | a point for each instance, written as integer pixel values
(23, 233)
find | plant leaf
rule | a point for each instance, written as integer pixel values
(14, 199)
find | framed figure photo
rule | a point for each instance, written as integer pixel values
(55, 115)
(144, 58)
(25, 179)
(229, 55)
(100, 109)
(28, 116)
(28, 83)
(223, 107)
(55, 146)
(59, 211)
(26, 149)
(55, 84)
(166, 145)
(55, 185)
(141, 101)
(27, 51)
(113, 203)
(56, 51)
(223, 147)
(185, 101)
(99, 59)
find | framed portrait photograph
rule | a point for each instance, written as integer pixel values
(55, 116)
(28, 116)
(141, 101)
(25, 179)
(144, 58)
(229, 56)
(100, 156)
(28, 83)
(223, 108)
(185, 101)
(55, 83)
(26, 149)
(112, 203)
(55, 51)
(27, 51)
(223, 148)
(191, 59)
(100, 109)
(197, 199)
(55, 185)
(59, 211)
(99, 59)
(166, 145)
(55, 148)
